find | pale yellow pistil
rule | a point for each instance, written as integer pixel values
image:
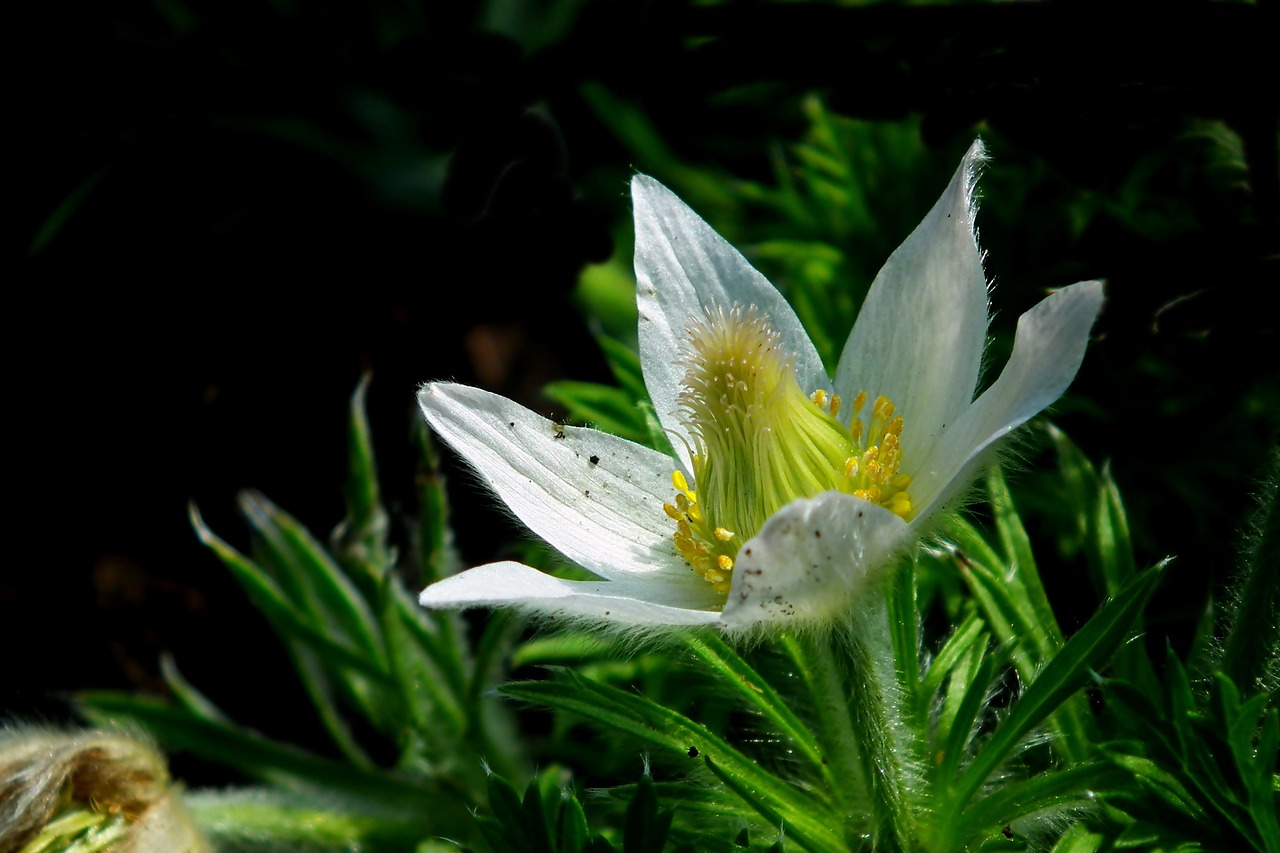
(758, 442)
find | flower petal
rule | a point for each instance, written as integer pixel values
(1047, 350)
(683, 267)
(515, 584)
(593, 496)
(811, 560)
(919, 336)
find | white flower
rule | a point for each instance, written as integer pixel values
(789, 494)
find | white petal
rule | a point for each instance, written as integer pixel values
(515, 584)
(812, 560)
(595, 497)
(1047, 350)
(919, 336)
(683, 267)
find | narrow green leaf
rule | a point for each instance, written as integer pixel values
(1069, 670)
(437, 557)
(969, 635)
(362, 536)
(1079, 838)
(255, 755)
(1017, 546)
(638, 836)
(659, 726)
(325, 591)
(754, 691)
(1155, 782)
(624, 361)
(537, 829)
(508, 811)
(1057, 789)
(1251, 653)
(1263, 782)
(1111, 528)
(698, 800)
(1009, 616)
(767, 808)
(959, 722)
(574, 833)
(279, 611)
(261, 818)
(436, 633)
(430, 707)
(602, 406)
(186, 694)
(904, 628)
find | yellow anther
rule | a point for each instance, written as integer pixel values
(755, 442)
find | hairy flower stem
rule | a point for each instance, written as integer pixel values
(825, 677)
(873, 703)
(850, 677)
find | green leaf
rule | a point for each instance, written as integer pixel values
(661, 727)
(1022, 563)
(263, 818)
(436, 555)
(314, 579)
(602, 406)
(257, 756)
(646, 828)
(1068, 671)
(287, 620)
(755, 692)
(361, 539)
(767, 807)
(958, 722)
(432, 705)
(1053, 790)
(1251, 651)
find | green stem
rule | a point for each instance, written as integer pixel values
(875, 698)
(823, 673)
(852, 680)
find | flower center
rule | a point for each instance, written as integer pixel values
(758, 442)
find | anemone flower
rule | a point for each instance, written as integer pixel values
(789, 494)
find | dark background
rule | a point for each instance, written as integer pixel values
(227, 212)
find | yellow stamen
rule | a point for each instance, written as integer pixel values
(757, 442)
